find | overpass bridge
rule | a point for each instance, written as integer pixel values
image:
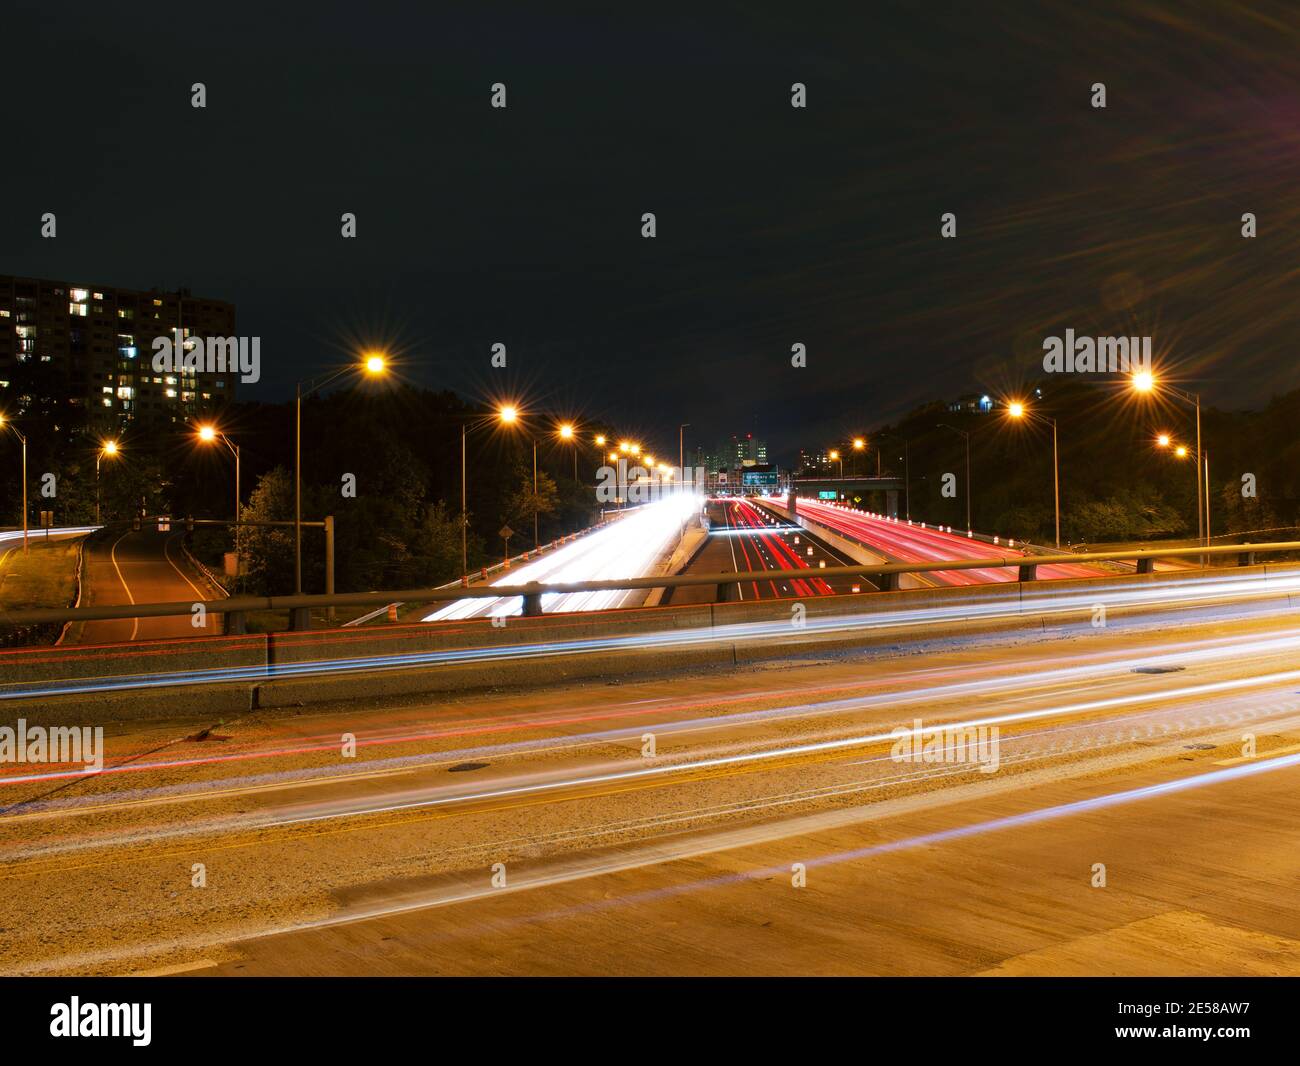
(849, 490)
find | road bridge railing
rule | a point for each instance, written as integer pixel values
(883, 575)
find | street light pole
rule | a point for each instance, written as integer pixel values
(4, 422)
(464, 511)
(681, 446)
(297, 492)
(966, 434)
(1202, 492)
(1017, 409)
(1146, 382)
(374, 364)
(1056, 483)
(536, 502)
(24, 441)
(1207, 500)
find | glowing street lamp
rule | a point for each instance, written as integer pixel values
(835, 458)
(566, 432)
(858, 445)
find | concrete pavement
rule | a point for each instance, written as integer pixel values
(655, 826)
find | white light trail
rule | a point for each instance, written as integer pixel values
(627, 547)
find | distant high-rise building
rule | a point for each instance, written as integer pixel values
(747, 451)
(96, 343)
(814, 460)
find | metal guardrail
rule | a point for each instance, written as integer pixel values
(887, 575)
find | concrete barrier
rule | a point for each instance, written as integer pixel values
(20, 667)
(558, 655)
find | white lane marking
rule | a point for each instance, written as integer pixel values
(197, 591)
(135, 622)
(179, 967)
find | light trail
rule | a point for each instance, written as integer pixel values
(1104, 666)
(914, 544)
(39, 534)
(754, 525)
(627, 547)
(1170, 593)
(536, 784)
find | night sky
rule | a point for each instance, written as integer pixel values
(775, 225)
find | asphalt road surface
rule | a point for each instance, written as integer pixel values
(748, 539)
(1134, 813)
(140, 567)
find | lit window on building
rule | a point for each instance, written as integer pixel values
(79, 310)
(80, 295)
(170, 394)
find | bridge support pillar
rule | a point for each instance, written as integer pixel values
(236, 625)
(299, 618)
(532, 601)
(891, 503)
(1246, 559)
(887, 582)
(792, 504)
(1146, 566)
(1027, 573)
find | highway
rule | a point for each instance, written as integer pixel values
(914, 544)
(748, 539)
(630, 546)
(753, 819)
